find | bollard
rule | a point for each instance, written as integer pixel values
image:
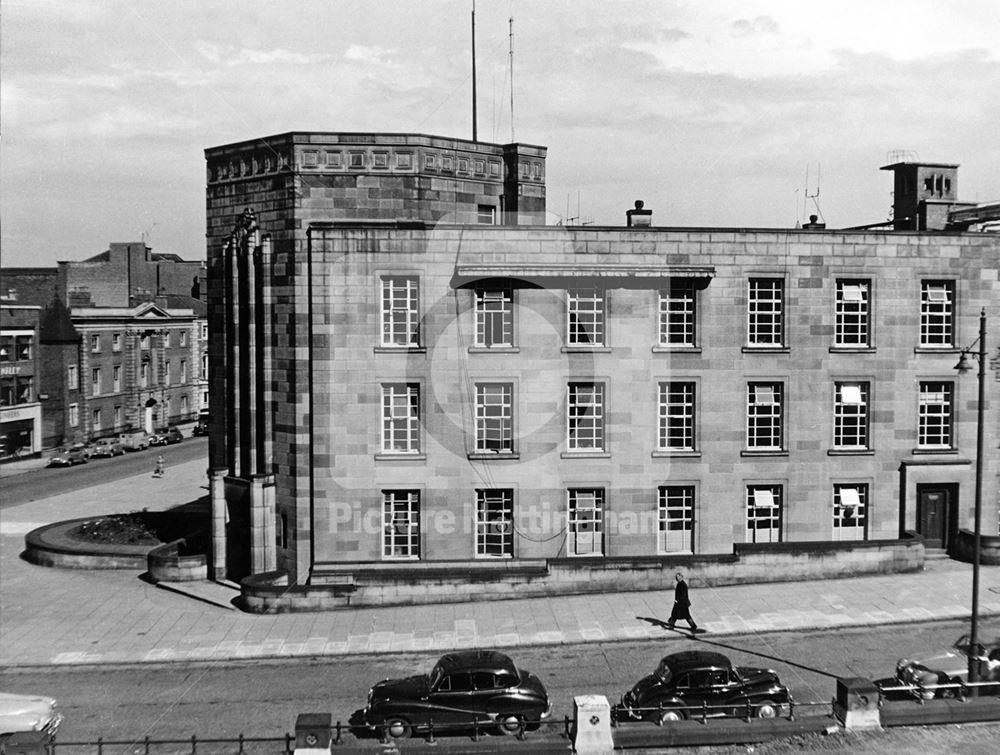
(592, 725)
(856, 706)
(312, 733)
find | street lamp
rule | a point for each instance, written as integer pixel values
(963, 367)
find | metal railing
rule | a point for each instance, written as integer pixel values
(958, 690)
(703, 712)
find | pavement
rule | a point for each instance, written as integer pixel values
(60, 617)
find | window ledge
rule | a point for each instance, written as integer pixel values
(487, 456)
(400, 349)
(936, 350)
(852, 349)
(661, 349)
(585, 455)
(585, 349)
(850, 452)
(400, 457)
(768, 452)
(935, 452)
(766, 350)
(494, 350)
(678, 454)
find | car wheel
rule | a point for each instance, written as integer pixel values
(766, 709)
(510, 724)
(396, 727)
(668, 715)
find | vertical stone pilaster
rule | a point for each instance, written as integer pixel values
(263, 554)
(217, 497)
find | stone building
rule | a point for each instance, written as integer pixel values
(123, 342)
(420, 409)
(20, 406)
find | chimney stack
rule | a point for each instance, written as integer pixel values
(639, 218)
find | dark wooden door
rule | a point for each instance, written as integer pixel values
(937, 507)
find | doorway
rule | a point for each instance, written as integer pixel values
(937, 513)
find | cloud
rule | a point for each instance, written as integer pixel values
(229, 55)
(759, 25)
(368, 55)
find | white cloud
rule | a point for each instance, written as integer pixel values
(368, 55)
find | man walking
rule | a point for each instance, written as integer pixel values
(682, 604)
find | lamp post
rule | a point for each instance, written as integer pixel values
(963, 367)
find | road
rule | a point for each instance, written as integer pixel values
(262, 699)
(49, 481)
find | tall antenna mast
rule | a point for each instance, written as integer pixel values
(510, 38)
(475, 129)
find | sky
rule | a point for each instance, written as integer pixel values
(733, 113)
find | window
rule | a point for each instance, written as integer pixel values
(851, 328)
(144, 375)
(22, 348)
(585, 308)
(586, 522)
(204, 366)
(494, 418)
(764, 416)
(116, 341)
(765, 312)
(401, 418)
(95, 342)
(935, 414)
(586, 417)
(166, 372)
(937, 300)
(95, 420)
(486, 214)
(182, 337)
(400, 325)
(676, 410)
(495, 523)
(764, 512)
(116, 378)
(677, 314)
(72, 377)
(74, 415)
(494, 317)
(8, 391)
(204, 331)
(25, 387)
(118, 415)
(850, 416)
(95, 381)
(675, 519)
(401, 524)
(184, 371)
(850, 512)
(6, 348)
(144, 342)
(184, 405)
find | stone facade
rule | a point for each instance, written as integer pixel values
(708, 390)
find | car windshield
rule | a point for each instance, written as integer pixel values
(663, 672)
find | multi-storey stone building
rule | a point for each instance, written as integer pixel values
(123, 342)
(20, 408)
(422, 410)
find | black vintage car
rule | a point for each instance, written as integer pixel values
(696, 683)
(476, 688)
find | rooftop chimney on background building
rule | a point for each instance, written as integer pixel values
(639, 218)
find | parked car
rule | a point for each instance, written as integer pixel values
(937, 676)
(134, 440)
(107, 447)
(67, 456)
(694, 682)
(20, 714)
(476, 687)
(201, 428)
(165, 437)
